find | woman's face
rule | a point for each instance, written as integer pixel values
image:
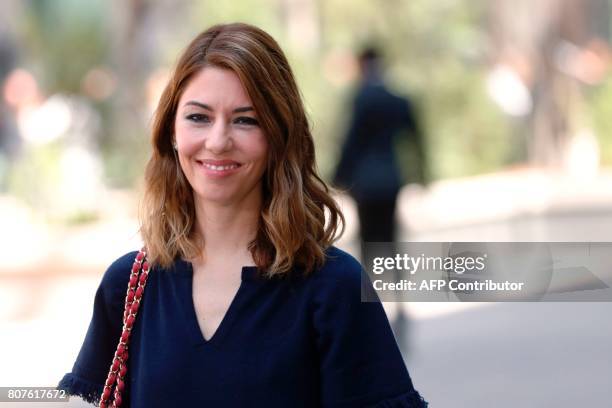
(221, 148)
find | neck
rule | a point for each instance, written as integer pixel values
(227, 230)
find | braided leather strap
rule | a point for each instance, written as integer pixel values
(118, 369)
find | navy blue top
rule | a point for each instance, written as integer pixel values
(284, 342)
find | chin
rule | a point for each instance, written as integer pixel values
(223, 195)
(219, 199)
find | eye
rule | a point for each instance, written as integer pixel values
(198, 117)
(246, 120)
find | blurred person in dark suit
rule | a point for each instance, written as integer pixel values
(368, 167)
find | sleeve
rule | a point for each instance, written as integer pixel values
(90, 369)
(360, 362)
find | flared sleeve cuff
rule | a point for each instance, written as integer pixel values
(410, 399)
(79, 386)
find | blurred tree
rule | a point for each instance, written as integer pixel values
(131, 55)
(543, 42)
(439, 51)
(9, 138)
(65, 39)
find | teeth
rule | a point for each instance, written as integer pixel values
(220, 168)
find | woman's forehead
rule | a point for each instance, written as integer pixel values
(216, 87)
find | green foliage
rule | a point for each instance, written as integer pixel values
(125, 162)
(435, 54)
(435, 50)
(599, 105)
(468, 135)
(35, 175)
(65, 39)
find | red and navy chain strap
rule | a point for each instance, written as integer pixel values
(133, 297)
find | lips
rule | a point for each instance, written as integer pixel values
(219, 167)
(219, 162)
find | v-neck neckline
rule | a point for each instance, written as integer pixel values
(248, 273)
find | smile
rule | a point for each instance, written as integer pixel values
(220, 168)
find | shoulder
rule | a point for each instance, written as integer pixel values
(339, 265)
(116, 276)
(340, 272)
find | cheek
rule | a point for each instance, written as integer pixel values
(186, 140)
(259, 149)
(185, 166)
(179, 131)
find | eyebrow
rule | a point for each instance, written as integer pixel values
(208, 108)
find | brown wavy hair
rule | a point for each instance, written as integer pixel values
(292, 231)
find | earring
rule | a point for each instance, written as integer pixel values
(174, 145)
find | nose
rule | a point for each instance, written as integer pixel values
(218, 140)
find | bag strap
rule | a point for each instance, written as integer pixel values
(133, 297)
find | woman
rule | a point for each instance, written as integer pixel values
(247, 302)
